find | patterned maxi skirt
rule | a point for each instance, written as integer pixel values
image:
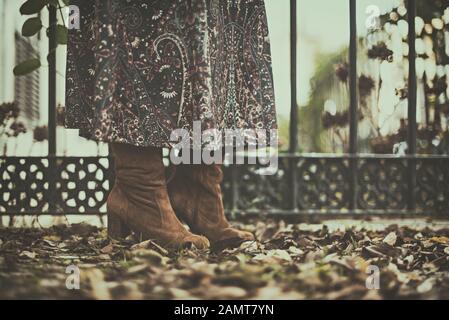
(138, 69)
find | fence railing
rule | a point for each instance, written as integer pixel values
(304, 184)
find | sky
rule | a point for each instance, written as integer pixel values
(322, 28)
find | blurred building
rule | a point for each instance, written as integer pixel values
(26, 89)
(15, 49)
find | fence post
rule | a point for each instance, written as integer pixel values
(52, 45)
(412, 95)
(353, 108)
(293, 145)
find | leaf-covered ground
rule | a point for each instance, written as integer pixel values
(287, 262)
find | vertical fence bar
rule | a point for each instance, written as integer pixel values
(412, 98)
(293, 79)
(293, 145)
(235, 189)
(52, 44)
(353, 114)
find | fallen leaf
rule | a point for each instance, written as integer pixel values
(391, 239)
(276, 293)
(249, 246)
(409, 259)
(67, 257)
(440, 240)
(280, 254)
(52, 238)
(312, 256)
(426, 286)
(271, 256)
(28, 254)
(346, 263)
(126, 290)
(215, 292)
(263, 257)
(108, 249)
(382, 250)
(179, 294)
(295, 251)
(204, 268)
(243, 258)
(418, 236)
(329, 261)
(150, 245)
(427, 244)
(153, 257)
(100, 290)
(249, 278)
(104, 257)
(137, 269)
(402, 277)
(50, 243)
(49, 283)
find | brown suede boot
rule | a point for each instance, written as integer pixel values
(139, 200)
(195, 194)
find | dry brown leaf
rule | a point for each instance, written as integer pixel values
(148, 271)
(52, 238)
(108, 249)
(150, 245)
(104, 257)
(440, 240)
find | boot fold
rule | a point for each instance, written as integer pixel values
(139, 200)
(196, 196)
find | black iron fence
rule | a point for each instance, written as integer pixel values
(304, 184)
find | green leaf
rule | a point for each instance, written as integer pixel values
(33, 6)
(31, 27)
(62, 34)
(27, 67)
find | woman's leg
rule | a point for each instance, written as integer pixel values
(195, 194)
(139, 199)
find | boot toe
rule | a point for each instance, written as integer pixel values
(231, 238)
(199, 242)
(235, 233)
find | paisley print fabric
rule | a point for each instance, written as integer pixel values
(138, 69)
